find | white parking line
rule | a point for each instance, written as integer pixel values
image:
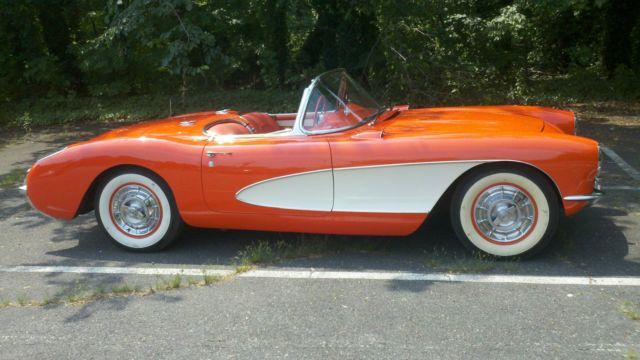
(338, 275)
(114, 270)
(621, 187)
(620, 161)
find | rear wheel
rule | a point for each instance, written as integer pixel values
(505, 213)
(137, 210)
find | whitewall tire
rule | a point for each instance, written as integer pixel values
(136, 209)
(505, 212)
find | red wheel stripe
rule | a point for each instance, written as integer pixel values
(524, 236)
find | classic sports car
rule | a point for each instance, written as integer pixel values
(342, 164)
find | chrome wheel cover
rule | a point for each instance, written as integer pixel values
(504, 213)
(135, 210)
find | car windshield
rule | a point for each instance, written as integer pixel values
(336, 102)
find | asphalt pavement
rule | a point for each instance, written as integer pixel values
(339, 317)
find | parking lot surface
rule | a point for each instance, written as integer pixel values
(373, 303)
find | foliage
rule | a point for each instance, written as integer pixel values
(35, 112)
(425, 52)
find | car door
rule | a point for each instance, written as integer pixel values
(268, 175)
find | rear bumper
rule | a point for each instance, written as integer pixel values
(23, 191)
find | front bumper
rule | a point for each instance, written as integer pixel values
(591, 198)
(597, 185)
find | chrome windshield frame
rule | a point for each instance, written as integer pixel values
(298, 127)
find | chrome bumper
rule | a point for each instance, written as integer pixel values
(23, 188)
(592, 198)
(23, 191)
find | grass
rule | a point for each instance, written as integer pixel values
(23, 300)
(630, 309)
(264, 252)
(81, 295)
(175, 281)
(123, 289)
(164, 284)
(564, 238)
(440, 260)
(209, 279)
(13, 178)
(243, 268)
(510, 266)
(302, 246)
(29, 114)
(631, 354)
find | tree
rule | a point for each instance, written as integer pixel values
(621, 16)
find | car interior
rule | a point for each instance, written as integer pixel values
(251, 123)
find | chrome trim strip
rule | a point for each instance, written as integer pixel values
(590, 197)
(417, 163)
(306, 94)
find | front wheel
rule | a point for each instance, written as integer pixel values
(505, 213)
(137, 210)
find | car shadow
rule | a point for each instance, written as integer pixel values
(593, 243)
(599, 241)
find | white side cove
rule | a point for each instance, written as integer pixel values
(394, 188)
(303, 191)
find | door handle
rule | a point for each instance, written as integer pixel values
(214, 153)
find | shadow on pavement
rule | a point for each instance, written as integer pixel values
(590, 243)
(599, 241)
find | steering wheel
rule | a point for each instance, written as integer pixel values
(322, 102)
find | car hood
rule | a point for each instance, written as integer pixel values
(464, 120)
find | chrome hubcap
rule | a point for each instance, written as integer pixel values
(504, 213)
(135, 210)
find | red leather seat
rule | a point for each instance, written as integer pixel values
(262, 122)
(227, 129)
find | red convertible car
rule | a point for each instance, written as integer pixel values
(342, 164)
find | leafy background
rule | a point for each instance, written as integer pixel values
(66, 60)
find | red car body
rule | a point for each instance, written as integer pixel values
(370, 184)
